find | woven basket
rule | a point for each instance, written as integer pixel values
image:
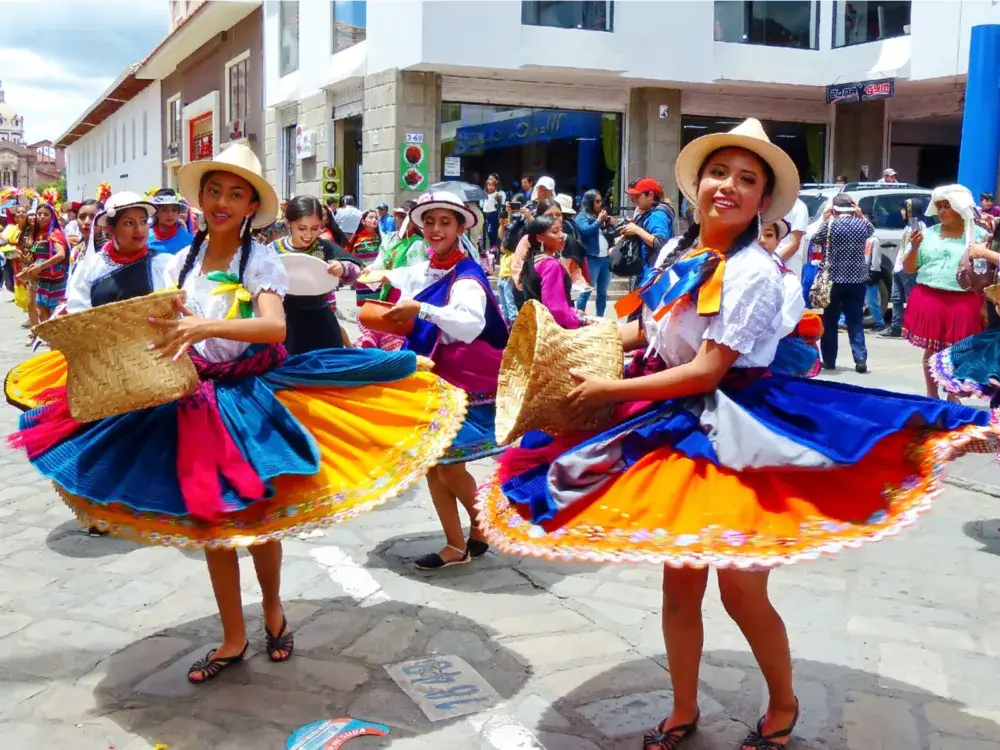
(110, 370)
(535, 373)
(993, 293)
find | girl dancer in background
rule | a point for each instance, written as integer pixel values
(47, 273)
(364, 245)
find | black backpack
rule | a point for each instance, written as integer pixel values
(628, 257)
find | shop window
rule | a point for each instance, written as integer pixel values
(288, 25)
(287, 176)
(349, 22)
(579, 150)
(201, 142)
(590, 15)
(175, 123)
(872, 21)
(773, 23)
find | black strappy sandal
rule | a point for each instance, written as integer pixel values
(663, 738)
(760, 741)
(283, 641)
(211, 667)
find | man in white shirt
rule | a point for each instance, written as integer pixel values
(790, 250)
(348, 216)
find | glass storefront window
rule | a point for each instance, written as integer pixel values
(590, 15)
(349, 21)
(805, 142)
(288, 30)
(860, 22)
(579, 150)
(773, 23)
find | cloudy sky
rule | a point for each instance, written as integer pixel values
(53, 69)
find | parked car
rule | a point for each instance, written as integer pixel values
(882, 203)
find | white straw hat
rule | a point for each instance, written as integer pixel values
(748, 135)
(121, 201)
(565, 203)
(442, 199)
(239, 160)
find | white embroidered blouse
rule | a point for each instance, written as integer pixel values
(749, 321)
(264, 272)
(463, 318)
(96, 266)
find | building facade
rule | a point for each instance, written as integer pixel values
(210, 75)
(598, 93)
(24, 164)
(117, 140)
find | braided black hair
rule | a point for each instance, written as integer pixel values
(246, 246)
(531, 282)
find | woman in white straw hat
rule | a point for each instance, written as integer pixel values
(270, 444)
(456, 321)
(710, 462)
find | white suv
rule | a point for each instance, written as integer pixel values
(882, 203)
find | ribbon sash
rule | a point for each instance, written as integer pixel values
(661, 289)
(242, 300)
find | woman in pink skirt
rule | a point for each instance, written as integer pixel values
(939, 312)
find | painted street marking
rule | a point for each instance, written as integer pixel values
(444, 687)
(357, 582)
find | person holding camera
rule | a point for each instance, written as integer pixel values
(654, 219)
(594, 225)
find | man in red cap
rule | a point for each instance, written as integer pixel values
(653, 221)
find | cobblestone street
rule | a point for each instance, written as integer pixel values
(896, 646)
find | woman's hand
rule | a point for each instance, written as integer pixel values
(372, 278)
(591, 393)
(404, 311)
(29, 274)
(335, 268)
(979, 250)
(178, 334)
(602, 217)
(915, 239)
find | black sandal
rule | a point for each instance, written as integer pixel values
(283, 641)
(663, 738)
(434, 561)
(477, 548)
(211, 667)
(760, 741)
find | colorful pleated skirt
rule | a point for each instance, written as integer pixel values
(477, 437)
(328, 435)
(757, 474)
(968, 367)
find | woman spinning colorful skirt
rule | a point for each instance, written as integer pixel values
(714, 462)
(269, 444)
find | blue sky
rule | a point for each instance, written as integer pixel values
(60, 55)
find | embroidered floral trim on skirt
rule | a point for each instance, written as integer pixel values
(755, 475)
(935, 319)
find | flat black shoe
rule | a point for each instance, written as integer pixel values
(760, 741)
(664, 738)
(434, 561)
(890, 333)
(828, 366)
(210, 667)
(477, 548)
(861, 367)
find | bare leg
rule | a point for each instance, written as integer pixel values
(224, 570)
(446, 505)
(929, 383)
(744, 595)
(267, 564)
(683, 635)
(462, 485)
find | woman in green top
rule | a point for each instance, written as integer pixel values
(939, 312)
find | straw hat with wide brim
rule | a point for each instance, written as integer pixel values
(239, 160)
(110, 367)
(748, 135)
(121, 201)
(442, 199)
(535, 374)
(308, 276)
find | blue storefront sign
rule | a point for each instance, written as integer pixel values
(862, 91)
(540, 126)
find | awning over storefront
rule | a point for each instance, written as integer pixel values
(540, 126)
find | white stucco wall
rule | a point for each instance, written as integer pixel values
(139, 173)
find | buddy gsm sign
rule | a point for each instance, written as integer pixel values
(862, 91)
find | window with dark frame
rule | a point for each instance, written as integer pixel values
(587, 15)
(772, 23)
(288, 33)
(861, 21)
(238, 104)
